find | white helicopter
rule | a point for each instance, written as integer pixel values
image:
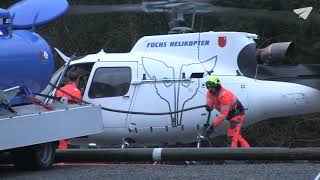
(167, 73)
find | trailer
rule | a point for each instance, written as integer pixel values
(32, 134)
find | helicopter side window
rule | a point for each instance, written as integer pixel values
(110, 82)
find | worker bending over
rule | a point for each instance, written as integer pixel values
(230, 109)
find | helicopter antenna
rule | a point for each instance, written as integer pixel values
(34, 21)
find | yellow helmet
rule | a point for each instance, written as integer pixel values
(212, 82)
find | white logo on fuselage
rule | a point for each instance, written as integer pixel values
(45, 55)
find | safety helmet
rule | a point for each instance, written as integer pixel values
(212, 82)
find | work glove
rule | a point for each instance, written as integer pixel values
(209, 108)
(209, 130)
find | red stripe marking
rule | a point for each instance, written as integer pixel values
(38, 102)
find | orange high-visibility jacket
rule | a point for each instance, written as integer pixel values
(71, 89)
(223, 101)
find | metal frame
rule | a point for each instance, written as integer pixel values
(36, 125)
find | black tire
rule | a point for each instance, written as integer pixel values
(36, 157)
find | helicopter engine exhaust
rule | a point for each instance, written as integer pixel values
(274, 52)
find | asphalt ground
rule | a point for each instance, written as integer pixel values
(230, 170)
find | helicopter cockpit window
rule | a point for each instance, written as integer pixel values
(110, 82)
(83, 70)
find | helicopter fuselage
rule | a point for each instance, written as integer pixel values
(161, 74)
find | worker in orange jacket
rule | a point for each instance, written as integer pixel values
(70, 90)
(73, 94)
(230, 109)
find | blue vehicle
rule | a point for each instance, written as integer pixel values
(26, 59)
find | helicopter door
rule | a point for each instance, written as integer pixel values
(109, 86)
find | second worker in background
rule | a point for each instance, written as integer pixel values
(73, 94)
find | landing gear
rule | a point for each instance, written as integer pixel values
(126, 142)
(200, 138)
(203, 141)
(124, 145)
